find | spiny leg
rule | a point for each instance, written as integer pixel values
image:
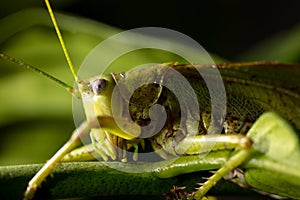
(83, 153)
(73, 142)
(232, 163)
(200, 144)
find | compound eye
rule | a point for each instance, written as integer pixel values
(98, 85)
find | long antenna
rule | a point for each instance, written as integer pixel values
(32, 68)
(61, 40)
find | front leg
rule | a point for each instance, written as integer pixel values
(103, 146)
(73, 142)
(109, 141)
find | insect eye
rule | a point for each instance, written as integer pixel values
(98, 86)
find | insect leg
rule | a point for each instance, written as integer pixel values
(242, 144)
(105, 145)
(74, 141)
(84, 153)
(231, 164)
(215, 142)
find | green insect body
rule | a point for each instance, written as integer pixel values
(237, 122)
(139, 111)
(97, 91)
(250, 91)
(242, 110)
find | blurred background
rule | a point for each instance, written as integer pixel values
(226, 28)
(36, 114)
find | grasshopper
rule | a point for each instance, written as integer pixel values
(243, 129)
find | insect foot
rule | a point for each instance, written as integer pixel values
(232, 163)
(30, 191)
(178, 193)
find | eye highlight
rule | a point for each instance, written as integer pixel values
(98, 85)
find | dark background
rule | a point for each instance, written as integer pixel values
(226, 28)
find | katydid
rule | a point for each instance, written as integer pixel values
(249, 93)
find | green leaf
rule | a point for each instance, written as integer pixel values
(96, 179)
(283, 47)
